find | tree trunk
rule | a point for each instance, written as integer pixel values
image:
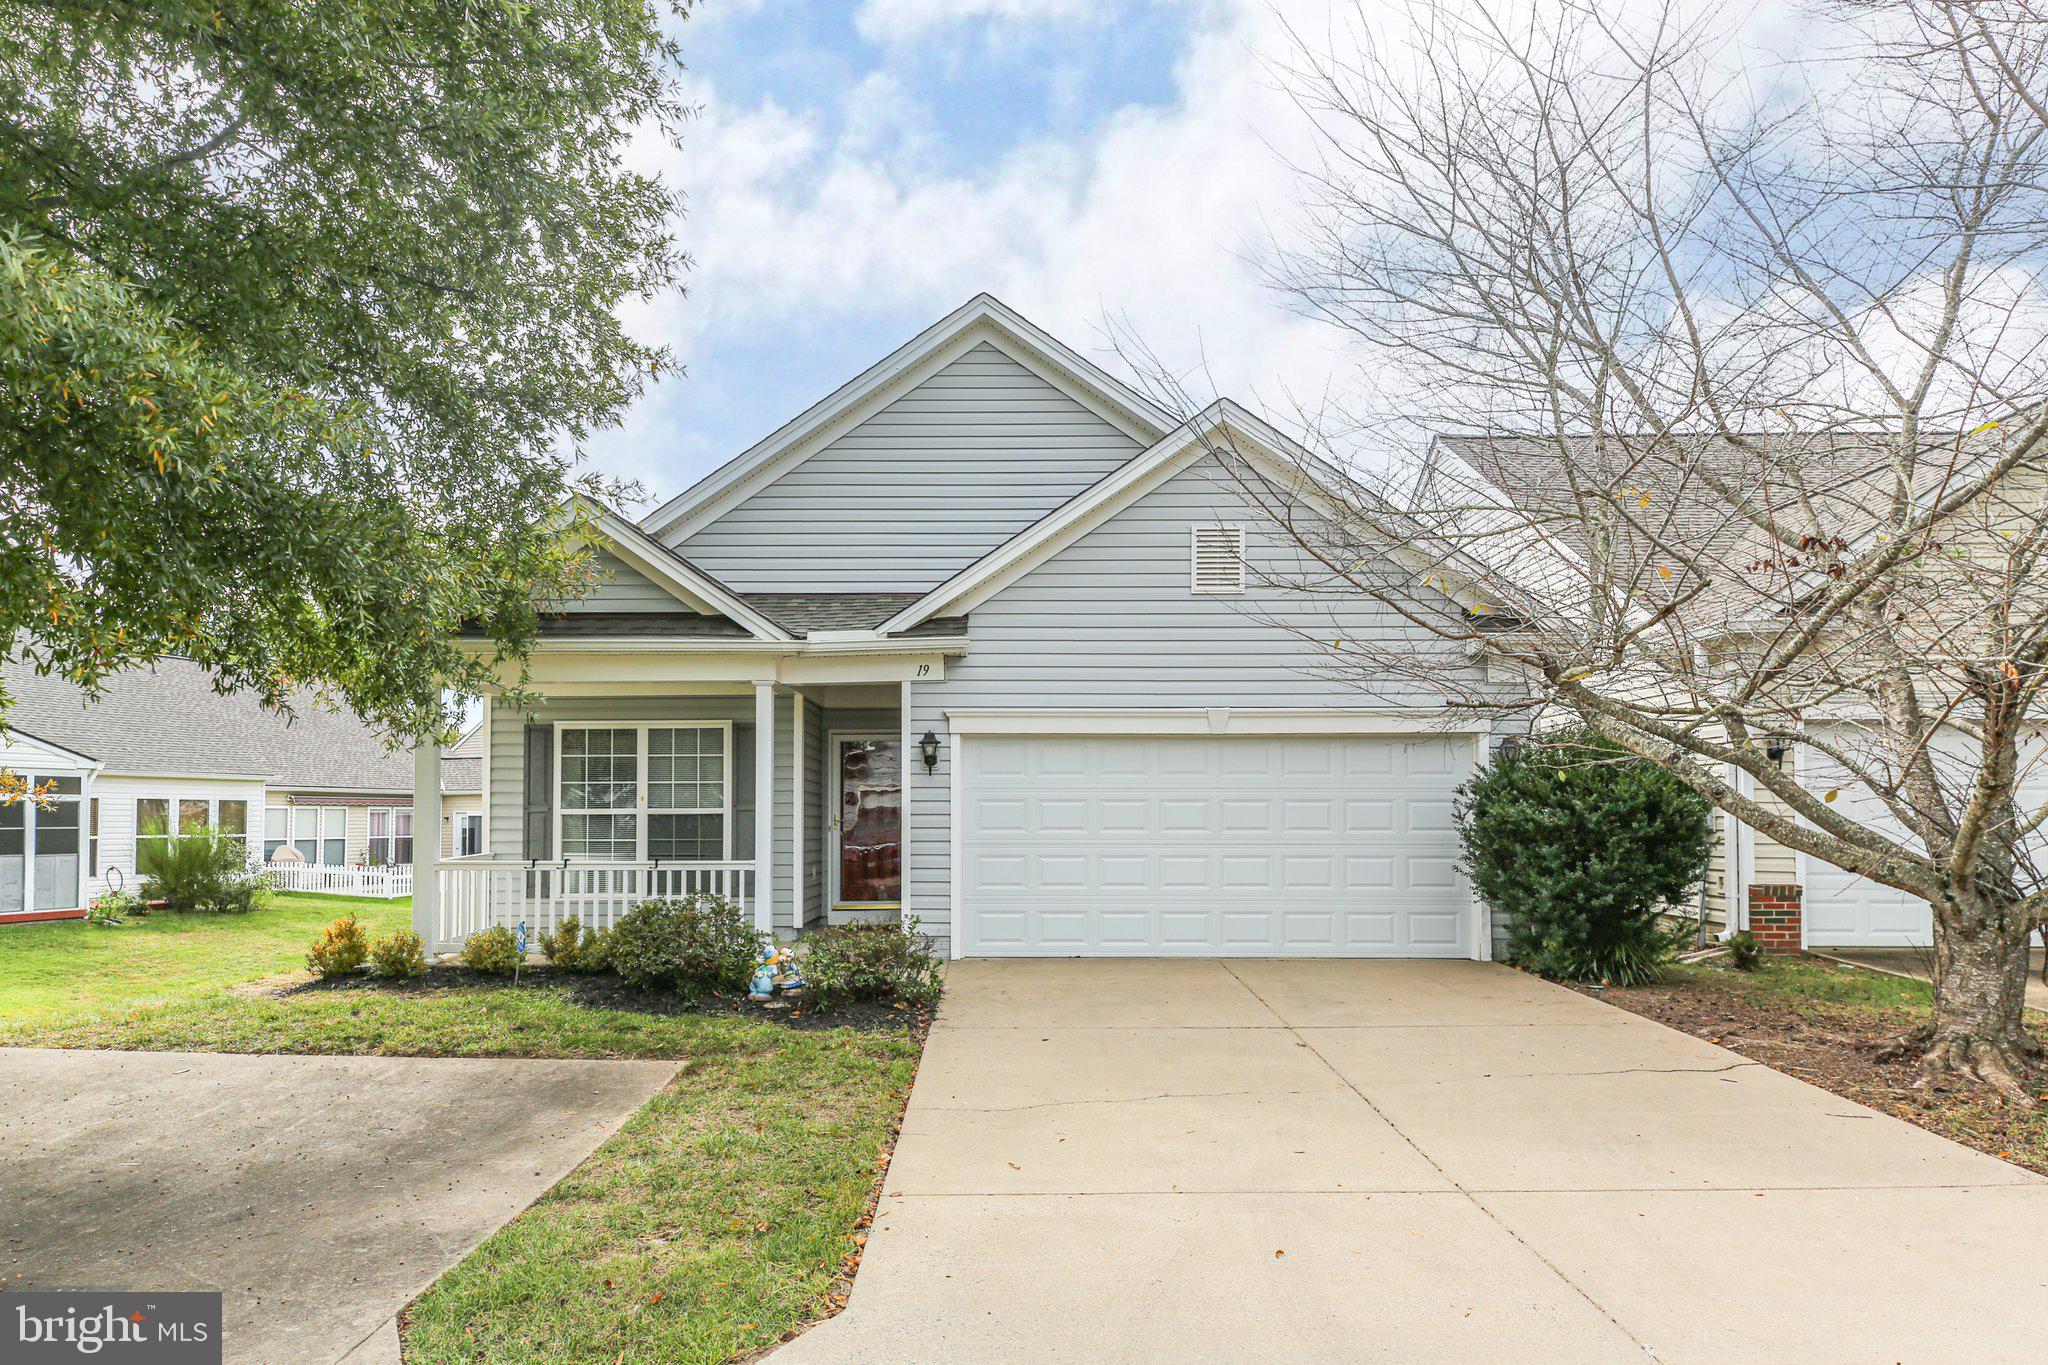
(1980, 990)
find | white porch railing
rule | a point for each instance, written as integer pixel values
(384, 883)
(479, 892)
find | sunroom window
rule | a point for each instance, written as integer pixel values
(632, 793)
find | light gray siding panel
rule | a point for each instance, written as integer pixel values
(623, 588)
(1110, 622)
(930, 483)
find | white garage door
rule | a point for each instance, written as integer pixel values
(1206, 847)
(1844, 910)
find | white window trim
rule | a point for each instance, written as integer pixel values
(320, 835)
(1234, 535)
(640, 809)
(390, 836)
(212, 803)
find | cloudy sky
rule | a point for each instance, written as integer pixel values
(861, 167)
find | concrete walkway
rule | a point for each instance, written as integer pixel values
(1407, 1161)
(1919, 963)
(320, 1194)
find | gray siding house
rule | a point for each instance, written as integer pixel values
(984, 640)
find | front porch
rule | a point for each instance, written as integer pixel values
(785, 797)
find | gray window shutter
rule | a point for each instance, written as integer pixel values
(540, 791)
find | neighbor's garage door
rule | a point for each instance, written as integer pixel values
(1843, 909)
(1099, 846)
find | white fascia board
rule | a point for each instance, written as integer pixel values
(267, 779)
(1223, 424)
(48, 753)
(691, 585)
(981, 318)
(1059, 528)
(1215, 720)
(657, 644)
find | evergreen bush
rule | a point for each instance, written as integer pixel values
(1582, 847)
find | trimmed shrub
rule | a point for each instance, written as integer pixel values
(569, 947)
(204, 872)
(493, 950)
(848, 962)
(400, 956)
(1582, 847)
(341, 950)
(700, 943)
(1745, 953)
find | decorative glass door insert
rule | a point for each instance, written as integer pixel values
(870, 822)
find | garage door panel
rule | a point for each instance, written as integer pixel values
(1207, 846)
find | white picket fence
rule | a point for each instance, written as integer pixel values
(480, 891)
(382, 883)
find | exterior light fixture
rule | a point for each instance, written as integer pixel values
(928, 748)
(1775, 746)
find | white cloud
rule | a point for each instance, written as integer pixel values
(887, 21)
(1147, 221)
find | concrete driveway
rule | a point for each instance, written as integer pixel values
(320, 1194)
(1201, 1160)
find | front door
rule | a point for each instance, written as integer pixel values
(868, 871)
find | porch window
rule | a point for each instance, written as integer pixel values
(390, 836)
(195, 815)
(320, 834)
(632, 793)
(41, 846)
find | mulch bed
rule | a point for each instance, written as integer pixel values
(606, 992)
(1840, 1048)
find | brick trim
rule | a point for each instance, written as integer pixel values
(1775, 915)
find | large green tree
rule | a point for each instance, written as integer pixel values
(305, 311)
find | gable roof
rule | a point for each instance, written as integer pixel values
(1665, 509)
(669, 570)
(982, 318)
(167, 719)
(1295, 471)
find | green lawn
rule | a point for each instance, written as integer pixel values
(59, 970)
(718, 1219)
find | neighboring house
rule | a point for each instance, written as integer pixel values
(1790, 898)
(160, 746)
(982, 639)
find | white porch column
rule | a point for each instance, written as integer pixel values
(426, 842)
(764, 806)
(798, 752)
(909, 763)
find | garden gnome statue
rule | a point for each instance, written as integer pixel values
(775, 971)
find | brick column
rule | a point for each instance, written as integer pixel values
(1774, 912)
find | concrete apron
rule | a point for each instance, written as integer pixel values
(1176, 1160)
(319, 1194)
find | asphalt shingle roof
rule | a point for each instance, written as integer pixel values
(168, 719)
(799, 613)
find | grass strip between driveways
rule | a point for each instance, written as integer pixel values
(717, 1220)
(1829, 1024)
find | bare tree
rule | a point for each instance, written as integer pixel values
(1720, 386)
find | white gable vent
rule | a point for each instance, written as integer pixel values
(1216, 562)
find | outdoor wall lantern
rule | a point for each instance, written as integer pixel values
(928, 747)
